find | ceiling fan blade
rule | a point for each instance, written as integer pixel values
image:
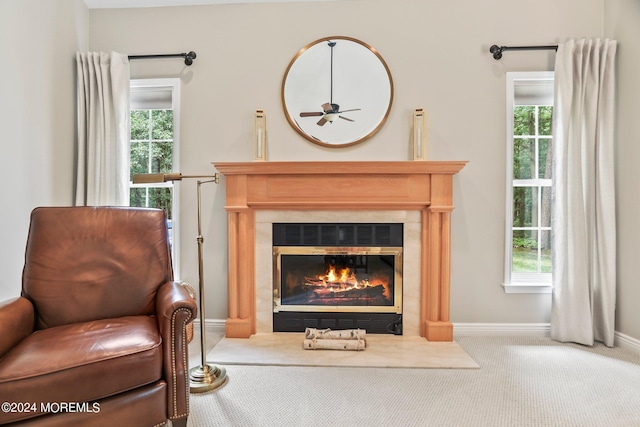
(322, 121)
(311, 114)
(353, 109)
(328, 107)
(347, 119)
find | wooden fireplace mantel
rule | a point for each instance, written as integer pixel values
(426, 186)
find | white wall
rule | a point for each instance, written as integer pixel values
(38, 39)
(622, 18)
(438, 55)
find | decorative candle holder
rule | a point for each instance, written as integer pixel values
(419, 143)
(260, 135)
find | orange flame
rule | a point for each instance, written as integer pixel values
(340, 276)
(341, 280)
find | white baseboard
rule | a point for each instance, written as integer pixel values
(530, 329)
(501, 329)
(211, 325)
(626, 342)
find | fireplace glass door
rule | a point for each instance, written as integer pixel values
(338, 279)
(337, 275)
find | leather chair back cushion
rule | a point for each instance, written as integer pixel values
(89, 263)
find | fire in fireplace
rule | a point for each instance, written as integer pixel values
(337, 276)
(336, 279)
(338, 286)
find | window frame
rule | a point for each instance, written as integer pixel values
(172, 85)
(532, 283)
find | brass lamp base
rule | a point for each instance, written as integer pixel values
(206, 378)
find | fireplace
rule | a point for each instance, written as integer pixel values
(340, 275)
(421, 187)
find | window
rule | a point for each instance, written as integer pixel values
(529, 180)
(154, 134)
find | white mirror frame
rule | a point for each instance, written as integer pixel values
(359, 81)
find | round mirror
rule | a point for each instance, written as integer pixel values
(337, 91)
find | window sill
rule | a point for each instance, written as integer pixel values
(527, 288)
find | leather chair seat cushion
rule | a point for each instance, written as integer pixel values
(82, 362)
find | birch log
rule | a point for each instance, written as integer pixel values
(334, 344)
(324, 334)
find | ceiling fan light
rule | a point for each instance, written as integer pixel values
(330, 117)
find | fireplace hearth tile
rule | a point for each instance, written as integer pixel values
(383, 351)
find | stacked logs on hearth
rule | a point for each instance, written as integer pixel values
(326, 339)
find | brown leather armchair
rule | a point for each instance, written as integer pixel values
(97, 336)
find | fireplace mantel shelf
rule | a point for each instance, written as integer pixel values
(426, 186)
(340, 168)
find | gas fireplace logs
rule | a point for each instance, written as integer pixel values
(326, 339)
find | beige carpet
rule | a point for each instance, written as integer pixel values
(383, 351)
(522, 382)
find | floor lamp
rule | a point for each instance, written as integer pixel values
(204, 377)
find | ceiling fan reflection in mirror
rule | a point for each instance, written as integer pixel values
(330, 111)
(337, 77)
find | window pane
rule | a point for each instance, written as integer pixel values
(525, 206)
(524, 154)
(162, 124)
(162, 157)
(525, 251)
(150, 197)
(138, 197)
(545, 120)
(139, 155)
(524, 120)
(545, 249)
(139, 124)
(545, 147)
(545, 207)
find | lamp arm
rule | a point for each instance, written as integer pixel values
(214, 178)
(149, 178)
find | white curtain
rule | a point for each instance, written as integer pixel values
(103, 129)
(584, 222)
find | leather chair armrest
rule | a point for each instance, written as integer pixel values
(17, 318)
(175, 309)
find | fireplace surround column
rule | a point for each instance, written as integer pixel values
(241, 249)
(436, 235)
(241, 292)
(423, 186)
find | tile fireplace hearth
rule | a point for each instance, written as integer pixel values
(421, 187)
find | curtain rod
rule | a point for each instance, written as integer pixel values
(188, 57)
(497, 50)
